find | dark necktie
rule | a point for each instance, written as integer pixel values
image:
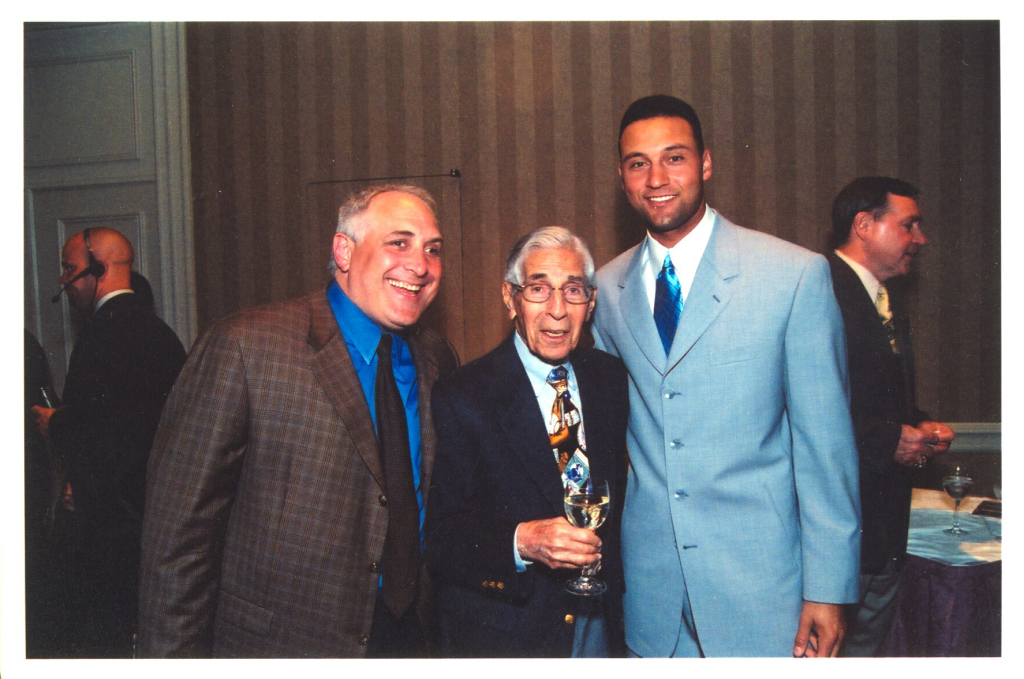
(401, 544)
(565, 424)
(667, 303)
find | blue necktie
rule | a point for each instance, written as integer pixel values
(668, 303)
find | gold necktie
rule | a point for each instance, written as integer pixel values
(564, 426)
(882, 305)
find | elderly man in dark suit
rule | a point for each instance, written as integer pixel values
(289, 473)
(514, 427)
(877, 234)
(123, 366)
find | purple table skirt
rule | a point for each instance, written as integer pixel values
(948, 611)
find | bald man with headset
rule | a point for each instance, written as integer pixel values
(122, 367)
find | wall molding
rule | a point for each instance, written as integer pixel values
(174, 179)
(977, 437)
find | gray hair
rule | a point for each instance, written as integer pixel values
(548, 238)
(350, 214)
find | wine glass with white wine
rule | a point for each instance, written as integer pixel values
(957, 485)
(587, 507)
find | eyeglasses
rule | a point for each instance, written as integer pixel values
(573, 293)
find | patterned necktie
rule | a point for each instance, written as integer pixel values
(668, 303)
(882, 304)
(401, 543)
(565, 428)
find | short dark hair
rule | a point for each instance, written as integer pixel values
(662, 106)
(864, 194)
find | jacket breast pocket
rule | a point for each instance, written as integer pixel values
(741, 354)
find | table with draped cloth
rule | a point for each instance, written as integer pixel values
(950, 603)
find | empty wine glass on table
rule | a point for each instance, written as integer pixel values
(587, 507)
(957, 485)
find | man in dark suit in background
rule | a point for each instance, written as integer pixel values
(877, 234)
(123, 365)
(498, 542)
(288, 477)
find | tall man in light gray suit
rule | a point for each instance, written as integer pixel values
(740, 534)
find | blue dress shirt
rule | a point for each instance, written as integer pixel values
(362, 336)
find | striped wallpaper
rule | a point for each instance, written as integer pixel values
(528, 113)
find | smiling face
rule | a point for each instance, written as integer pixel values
(663, 176)
(393, 271)
(891, 242)
(550, 329)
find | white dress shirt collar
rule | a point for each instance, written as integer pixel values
(871, 284)
(113, 293)
(686, 256)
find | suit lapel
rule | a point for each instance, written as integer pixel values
(594, 405)
(523, 427)
(867, 321)
(866, 331)
(636, 311)
(710, 291)
(333, 368)
(905, 359)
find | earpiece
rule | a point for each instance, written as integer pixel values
(96, 268)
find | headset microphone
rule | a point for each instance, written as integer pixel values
(56, 298)
(96, 268)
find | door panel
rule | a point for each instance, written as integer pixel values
(106, 145)
(57, 214)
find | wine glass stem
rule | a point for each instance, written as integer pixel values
(956, 514)
(591, 570)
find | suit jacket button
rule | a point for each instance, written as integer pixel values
(364, 639)
(501, 585)
(383, 500)
(570, 619)
(374, 567)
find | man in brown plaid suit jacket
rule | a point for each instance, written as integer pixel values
(266, 512)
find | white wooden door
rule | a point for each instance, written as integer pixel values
(106, 144)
